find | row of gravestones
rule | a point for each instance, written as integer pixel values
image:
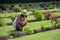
(33, 5)
(39, 5)
(29, 6)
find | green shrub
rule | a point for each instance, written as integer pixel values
(30, 5)
(38, 15)
(42, 26)
(9, 11)
(2, 23)
(2, 7)
(58, 24)
(12, 5)
(55, 20)
(19, 5)
(13, 32)
(28, 30)
(12, 17)
(16, 9)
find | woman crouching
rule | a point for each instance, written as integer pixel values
(20, 20)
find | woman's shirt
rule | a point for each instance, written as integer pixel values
(14, 22)
(21, 20)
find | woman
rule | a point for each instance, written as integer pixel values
(20, 20)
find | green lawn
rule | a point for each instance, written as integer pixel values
(49, 35)
(32, 25)
(30, 17)
(5, 30)
(7, 20)
(58, 13)
(8, 14)
(35, 25)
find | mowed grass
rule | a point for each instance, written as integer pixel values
(58, 13)
(49, 35)
(7, 20)
(8, 14)
(36, 25)
(31, 17)
(5, 30)
(33, 25)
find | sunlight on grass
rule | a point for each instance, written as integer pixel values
(31, 17)
(35, 25)
(49, 35)
(5, 29)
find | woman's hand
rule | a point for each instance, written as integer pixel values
(24, 23)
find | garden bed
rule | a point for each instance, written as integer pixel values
(50, 35)
(46, 29)
(58, 16)
(21, 34)
(5, 37)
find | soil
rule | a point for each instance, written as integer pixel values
(58, 16)
(19, 34)
(36, 31)
(5, 37)
(32, 20)
(46, 29)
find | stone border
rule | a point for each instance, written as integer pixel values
(21, 34)
(35, 31)
(5, 37)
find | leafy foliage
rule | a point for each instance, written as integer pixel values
(50, 35)
(28, 30)
(38, 15)
(2, 7)
(2, 23)
(55, 21)
(12, 17)
(14, 32)
(16, 9)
